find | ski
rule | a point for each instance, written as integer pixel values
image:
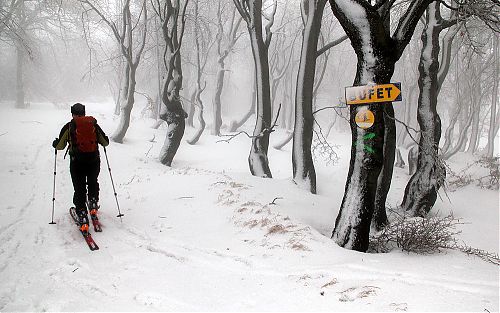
(86, 235)
(95, 221)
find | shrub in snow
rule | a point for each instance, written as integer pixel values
(488, 178)
(424, 236)
(416, 234)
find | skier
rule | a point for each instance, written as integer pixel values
(83, 134)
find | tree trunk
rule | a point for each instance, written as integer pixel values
(304, 174)
(375, 65)
(217, 105)
(202, 125)
(122, 85)
(448, 135)
(257, 158)
(199, 72)
(474, 135)
(379, 219)
(173, 114)
(494, 99)
(421, 191)
(20, 101)
(191, 109)
(377, 52)
(462, 139)
(126, 108)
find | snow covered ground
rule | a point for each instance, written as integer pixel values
(202, 236)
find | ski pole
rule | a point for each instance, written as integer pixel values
(113, 184)
(54, 187)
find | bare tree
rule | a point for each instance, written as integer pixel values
(126, 39)
(173, 18)
(7, 12)
(421, 191)
(304, 173)
(226, 39)
(251, 11)
(377, 51)
(493, 129)
(203, 45)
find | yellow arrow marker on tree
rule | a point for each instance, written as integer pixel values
(373, 93)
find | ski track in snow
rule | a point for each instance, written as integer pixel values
(148, 262)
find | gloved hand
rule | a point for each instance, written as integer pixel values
(55, 142)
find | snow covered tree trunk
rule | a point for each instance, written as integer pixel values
(377, 53)
(251, 11)
(352, 226)
(172, 15)
(421, 191)
(494, 99)
(257, 159)
(477, 95)
(191, 109)
(123, 84)
(462, 138)
(304, 174)
(217, 107)
(201, 120)
(198, 37)
(126, 107)
(448, 135)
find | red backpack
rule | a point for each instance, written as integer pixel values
(84, 134)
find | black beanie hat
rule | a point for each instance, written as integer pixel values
(78, 109)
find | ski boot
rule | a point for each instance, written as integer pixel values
(94, 208)
(83, 221)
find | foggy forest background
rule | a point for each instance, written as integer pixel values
(133, 53)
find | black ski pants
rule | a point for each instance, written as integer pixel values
(85, 173)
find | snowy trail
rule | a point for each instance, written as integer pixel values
(199, 237)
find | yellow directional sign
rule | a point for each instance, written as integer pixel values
(373, 93)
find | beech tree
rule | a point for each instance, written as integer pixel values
(251, 12)
(131, 51)
(202, 48)
(377, 52)
(172, 14)
(304, 173)
(421, 191)
(227, 36)
(494, 114)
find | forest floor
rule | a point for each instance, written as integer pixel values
(205, 235)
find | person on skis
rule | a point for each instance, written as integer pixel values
(83, 135)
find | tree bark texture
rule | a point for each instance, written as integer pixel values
(257, 159)
(126, 106)
(377, 52)
(173, 114)
(494, 99)
(304, 174)
(421, 191)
